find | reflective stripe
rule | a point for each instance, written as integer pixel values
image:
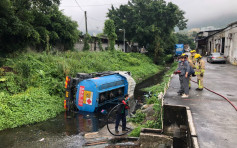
(197, 73)
(199, 84)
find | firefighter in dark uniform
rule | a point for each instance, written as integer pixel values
(121, 114)
(183, 71)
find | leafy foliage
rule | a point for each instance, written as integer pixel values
(86, 46)
(109, 30)
(37, 23)
(135, 132)
(34, 105)
(150, 23)
(139, 118)
(184, 39)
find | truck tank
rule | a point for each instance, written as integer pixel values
(87, 92)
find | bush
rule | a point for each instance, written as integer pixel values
(139, 117)
(34, 105)
(169, 58)
(135, 132)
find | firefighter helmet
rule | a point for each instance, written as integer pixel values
(197, 56)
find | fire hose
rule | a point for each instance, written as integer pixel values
(219, 95)
(109, 114)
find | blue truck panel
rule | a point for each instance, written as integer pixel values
(179, 49)
(90, 92)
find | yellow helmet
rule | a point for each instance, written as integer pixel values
(183, 54)
(197, 56)
(193, 51)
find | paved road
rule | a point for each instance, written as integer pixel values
(214, 118)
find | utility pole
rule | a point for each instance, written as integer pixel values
(124, 46)
(86, 22)
(124, 40)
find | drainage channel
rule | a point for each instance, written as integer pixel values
(64, 130)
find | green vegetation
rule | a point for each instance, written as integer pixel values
(35, 23)
(140, 117)
(109, 30)
(150, 23)
(86, 46)
(32, 84)
(184, 39)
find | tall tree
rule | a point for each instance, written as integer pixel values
(36, 23)
(109, 30)
(147, 21)
(184, 39)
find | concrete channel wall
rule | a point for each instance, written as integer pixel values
(178, 123)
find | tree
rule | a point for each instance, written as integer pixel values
(34, 23)
(86, 46)
(184, 39)
(99, 41)
(109, 30)
(146, 21)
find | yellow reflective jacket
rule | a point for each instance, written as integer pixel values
(200, 67)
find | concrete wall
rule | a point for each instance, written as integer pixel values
(95, 46)
(231, 44)
(178, 123)
(215, 42)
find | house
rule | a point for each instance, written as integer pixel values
(222, 40)
(201, 40)
(96, 42)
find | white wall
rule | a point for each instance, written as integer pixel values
(230, 47)
(231, 44)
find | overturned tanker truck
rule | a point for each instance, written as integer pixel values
(89, 91)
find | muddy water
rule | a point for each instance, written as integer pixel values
(63, 130)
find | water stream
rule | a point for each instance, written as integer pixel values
(63, 130)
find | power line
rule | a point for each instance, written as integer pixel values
(91, 5)
(103, 5)
(94, 18)
(68, 6)
(79, 5)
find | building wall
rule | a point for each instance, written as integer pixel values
(231, 44)
(226, 39)
(95, 46)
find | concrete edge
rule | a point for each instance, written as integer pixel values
(195, 142)
(190, 122)
(192, 128)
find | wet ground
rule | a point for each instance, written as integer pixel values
(63, 130)
(214, 118)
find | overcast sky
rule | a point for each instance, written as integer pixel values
(200, 13)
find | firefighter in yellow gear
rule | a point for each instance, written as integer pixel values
(199, 72)
(192, 62)
(191, 58)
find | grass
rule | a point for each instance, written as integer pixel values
(32, 84)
